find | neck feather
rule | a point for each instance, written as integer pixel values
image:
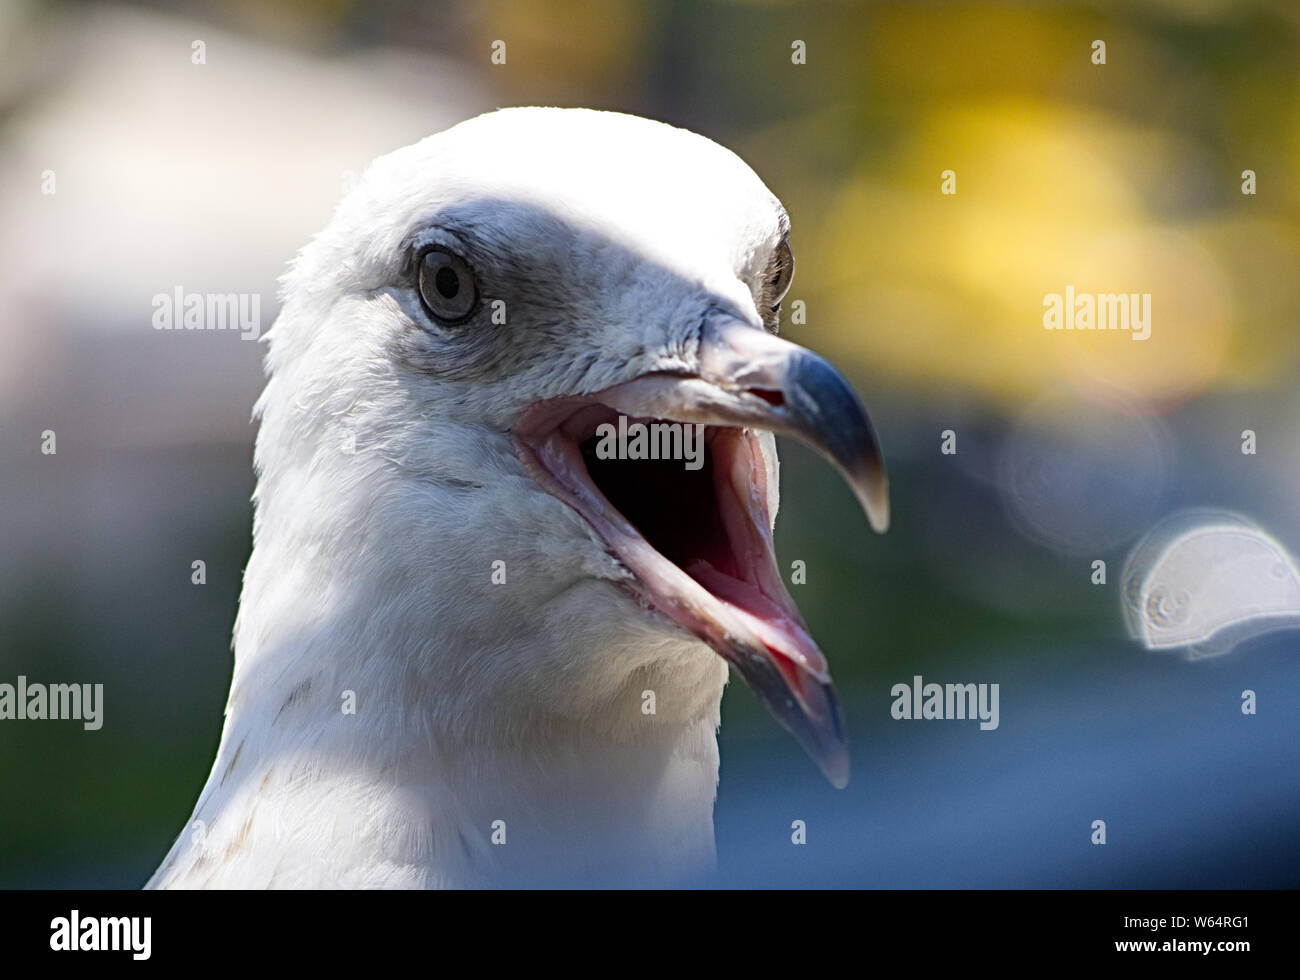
(341, 765)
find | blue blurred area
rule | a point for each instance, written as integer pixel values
(1194, 793)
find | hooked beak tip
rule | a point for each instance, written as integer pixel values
(836, 770)
(827, 414)
(874, 498)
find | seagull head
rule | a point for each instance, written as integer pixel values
(482, 306)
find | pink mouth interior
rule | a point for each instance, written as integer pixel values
(698, 541)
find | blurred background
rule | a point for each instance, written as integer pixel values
(1118, 177)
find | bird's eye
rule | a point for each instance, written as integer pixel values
(782, 272)
(447, 286)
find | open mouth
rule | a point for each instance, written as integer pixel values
(714, 524)
(696, 534)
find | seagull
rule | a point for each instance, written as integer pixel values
(470, 651)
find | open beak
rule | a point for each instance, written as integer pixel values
(698, 542)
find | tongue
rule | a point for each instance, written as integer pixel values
(778, 626)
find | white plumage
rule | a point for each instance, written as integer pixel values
(393, 476)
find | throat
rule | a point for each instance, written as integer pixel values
(420, 726)
(377, 799)
(593, 813)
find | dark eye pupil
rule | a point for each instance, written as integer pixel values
(447, 282)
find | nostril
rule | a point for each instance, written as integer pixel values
(775, 398)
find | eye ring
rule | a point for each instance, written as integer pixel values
(447, 286)
(779, 284)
